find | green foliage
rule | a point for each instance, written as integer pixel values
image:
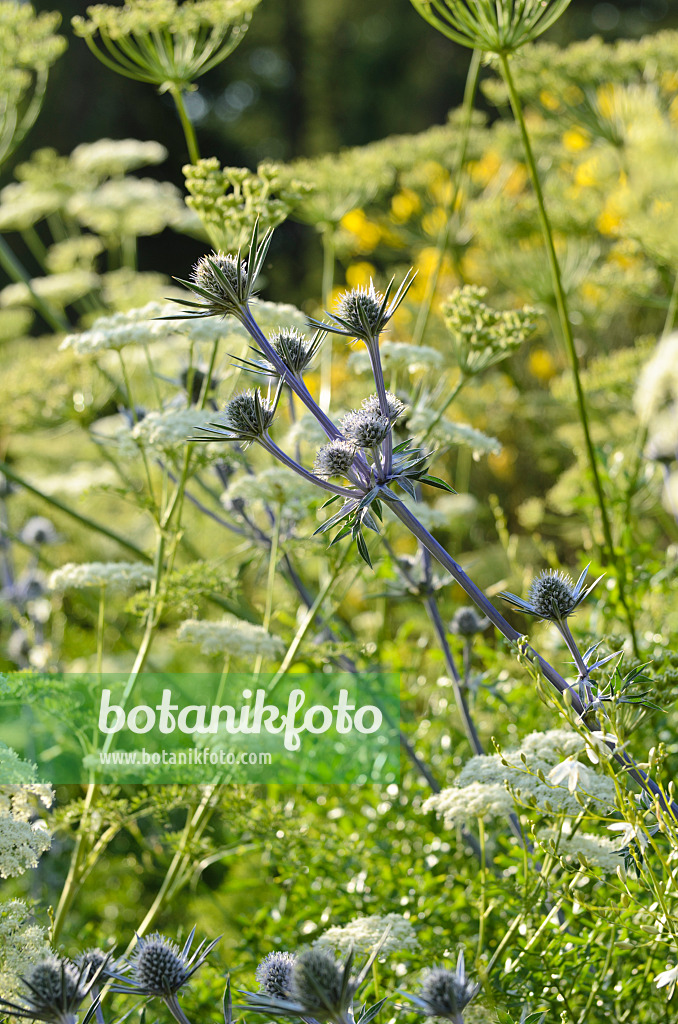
(513, 835)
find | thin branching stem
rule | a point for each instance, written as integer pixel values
(566, 329)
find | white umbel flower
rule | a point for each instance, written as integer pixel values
(230, 636)
(86, 575)
(363, 934)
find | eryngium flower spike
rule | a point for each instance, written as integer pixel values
(56, 988)
(496, 26)
(319, 987)
(159, 967)
(246, 418)
(274, 974)
(394, 406)
(445, 993)
(97, 963)
(295, 350)
(317, 984)
(225, 282)
(466, 622)
(365, 429)
(334, 459)
(553, 595)
(362, 313)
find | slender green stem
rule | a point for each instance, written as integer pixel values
(307, 620)
(672, 311)
(75, 868)
(452, 204)
(101, 622)
(189, 131)
(463, 379)
(196, 819)
(14, 269)
(483, 890)
(566, 328)
(35, 245)
(270, 582)
(325, 396)
(91, 524)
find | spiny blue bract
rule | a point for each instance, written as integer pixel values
(315, 973)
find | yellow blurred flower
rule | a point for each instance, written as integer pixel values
(516, 181)
(609, 221)
(367, 234)
(484, 170)
(434, 222)
(541, 365)
(576, 139)
(474, 265)
(549, 100)
(360, 274)
(606, 95)
(442, 190)
(588, 174)
(404, 204)
(669, 81)
(502, 463)
(592, 292)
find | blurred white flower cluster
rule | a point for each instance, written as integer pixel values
(22, 944)
(22, 841)
(86, 575)
(363, 933)
(231, 637)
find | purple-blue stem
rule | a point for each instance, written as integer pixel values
(270, 446)
(297, 385)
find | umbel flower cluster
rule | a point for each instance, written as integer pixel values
(162, 42)
(308, 984)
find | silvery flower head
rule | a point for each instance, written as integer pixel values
(394, 407)
(294, 348)
(317, 984)
(37, 531)
(159, 967)
(56, 988)
(219, 277)
(246, 418)
(225, 282)
(553, 595)
(335, 459)
(466, 622)
(363, 312)
(445, 993)
(274, 974)
(96, 963)
(364, 428)
(495, 26)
